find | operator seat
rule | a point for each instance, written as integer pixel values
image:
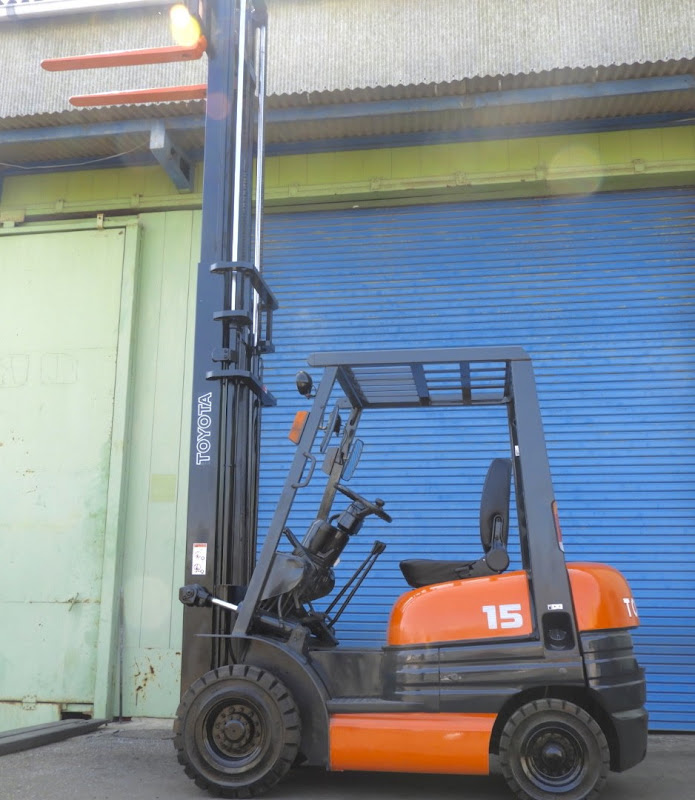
(494, 532)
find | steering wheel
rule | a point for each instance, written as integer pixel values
(376, 508)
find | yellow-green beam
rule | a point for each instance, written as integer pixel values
(542, 165)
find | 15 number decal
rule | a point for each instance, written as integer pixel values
(504, 616)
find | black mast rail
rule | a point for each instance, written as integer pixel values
(233, 328)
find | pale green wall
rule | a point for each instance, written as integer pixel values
(134, 471)
(144, 545)
(66, 309)
(155, 517)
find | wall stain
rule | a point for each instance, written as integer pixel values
(141, 680)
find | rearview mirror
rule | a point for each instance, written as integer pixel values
(353, 459)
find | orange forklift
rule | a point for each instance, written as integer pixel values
(534, 666)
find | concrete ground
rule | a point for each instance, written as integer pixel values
(136, 761)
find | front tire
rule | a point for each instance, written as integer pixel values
(237, 731)
(552, 749)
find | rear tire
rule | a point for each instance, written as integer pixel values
(552, 749)
(237, 731)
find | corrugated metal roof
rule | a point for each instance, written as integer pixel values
(328, 52)
(27, 90)
(87, 116)
(565, 76)
(482, 118)
(349, 44)
(326, 46)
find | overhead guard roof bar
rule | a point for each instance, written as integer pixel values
(425, 355)
(451, 376)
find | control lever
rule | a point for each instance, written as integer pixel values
(359, 575)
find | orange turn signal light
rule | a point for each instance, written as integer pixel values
(297, 428)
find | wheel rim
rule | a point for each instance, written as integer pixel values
(554, 758)
(236, 734)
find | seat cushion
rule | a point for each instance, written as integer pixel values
(424, 571)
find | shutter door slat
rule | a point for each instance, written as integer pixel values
(599, 290)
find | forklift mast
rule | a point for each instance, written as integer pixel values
(234, 306)
(233, 328)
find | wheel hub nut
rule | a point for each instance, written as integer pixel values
(553, 754)
(234, 730)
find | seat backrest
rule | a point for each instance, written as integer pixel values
(494, 502)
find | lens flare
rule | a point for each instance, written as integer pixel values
(575, 169)
(185, 28)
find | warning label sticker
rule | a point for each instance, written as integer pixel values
(200, 558)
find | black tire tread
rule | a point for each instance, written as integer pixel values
(553, 705)
(287, 708)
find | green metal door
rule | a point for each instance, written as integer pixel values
(60, 296)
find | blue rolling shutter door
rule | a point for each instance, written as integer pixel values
(596, 288)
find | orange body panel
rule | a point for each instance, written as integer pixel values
(415, 742)
(602, 598)
(128, 58)
(475, 608)
(163, 95)
(499, 606)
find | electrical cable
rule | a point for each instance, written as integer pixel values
(73, 164)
